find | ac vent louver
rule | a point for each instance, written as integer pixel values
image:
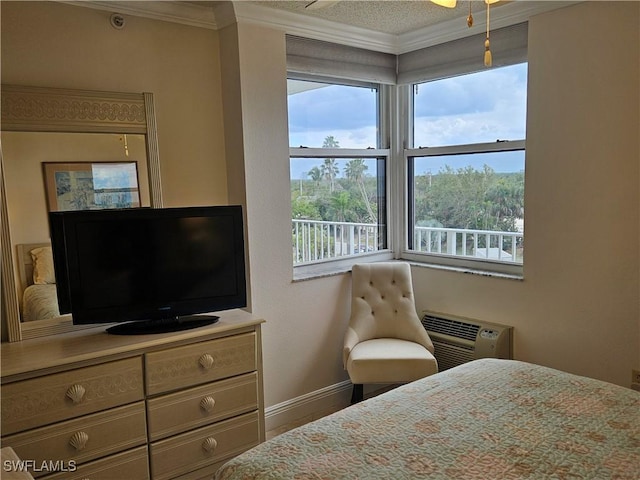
(447, 326)
(457, 340)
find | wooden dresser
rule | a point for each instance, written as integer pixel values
(99, 406)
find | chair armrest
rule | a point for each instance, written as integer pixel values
(351, 339)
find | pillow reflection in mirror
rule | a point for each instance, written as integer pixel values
(40, 302)
(43, 271)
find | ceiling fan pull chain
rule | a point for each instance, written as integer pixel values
(487, 52)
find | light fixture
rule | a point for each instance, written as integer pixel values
(487, 46)
(445, 3)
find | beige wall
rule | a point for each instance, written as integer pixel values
(578, 306)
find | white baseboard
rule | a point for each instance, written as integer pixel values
(308, 404)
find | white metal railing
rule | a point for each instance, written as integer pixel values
(487, 244)
(315, 240)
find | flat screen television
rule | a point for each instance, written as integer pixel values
(158, 269)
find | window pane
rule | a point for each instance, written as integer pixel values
(476, 108)
(328, 115)
(461, 202)
(337, 207)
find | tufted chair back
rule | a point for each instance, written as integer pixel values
(382, 306)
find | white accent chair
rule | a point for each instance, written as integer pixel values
(385, 341)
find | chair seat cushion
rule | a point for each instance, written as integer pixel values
(390, 360)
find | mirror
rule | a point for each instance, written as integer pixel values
(51, 135)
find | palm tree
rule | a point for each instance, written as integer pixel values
(330, 142)
(315, 174)
(355, 171)
(330, 171)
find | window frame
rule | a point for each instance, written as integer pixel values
(440, 260)
(395, 140)
(382, 151)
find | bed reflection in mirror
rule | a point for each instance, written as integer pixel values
(32, 161)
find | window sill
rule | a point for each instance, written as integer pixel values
(332, 268)
(472, 266)
(336, 267)
(467, 270)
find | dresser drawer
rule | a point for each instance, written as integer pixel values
(178, 412)
(203, 362)
(131, 465)
(83, 439)
(206, 473)
(201, 448)
(40, 401)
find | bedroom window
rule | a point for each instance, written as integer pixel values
(466, 170)
(337, 173)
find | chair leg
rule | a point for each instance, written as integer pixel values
(358, 393)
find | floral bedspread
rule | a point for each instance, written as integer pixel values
(487, 419)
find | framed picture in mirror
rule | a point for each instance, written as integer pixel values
(91, 186)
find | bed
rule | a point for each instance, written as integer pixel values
(487, 419)
(37, 282)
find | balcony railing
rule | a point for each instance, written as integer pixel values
(482, 244)
(315, 241)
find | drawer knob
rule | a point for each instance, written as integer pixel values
(76, 393)
(209, 444)
(207, 403)
(206, 361)
(79, 440)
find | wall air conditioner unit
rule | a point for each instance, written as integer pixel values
(459, 340)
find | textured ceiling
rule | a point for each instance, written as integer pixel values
(387, 16)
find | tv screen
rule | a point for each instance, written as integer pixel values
(159, 265)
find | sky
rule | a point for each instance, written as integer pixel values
(482, 107)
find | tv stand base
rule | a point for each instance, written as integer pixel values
(162, 325)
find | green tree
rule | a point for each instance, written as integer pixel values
(329, 168)
(340, 205)
(316, 175)
(303, 208)
(355, 171)
(470, 198)
(330, 171)
(330, 142)
(506, 198)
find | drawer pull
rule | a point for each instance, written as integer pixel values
(207, 403)
(76, 393)
(209, 444)
(79, 440)
(206, 361)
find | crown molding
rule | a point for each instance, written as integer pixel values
(168, 11)
(509, 14)
(216, 15)
(316, 28)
